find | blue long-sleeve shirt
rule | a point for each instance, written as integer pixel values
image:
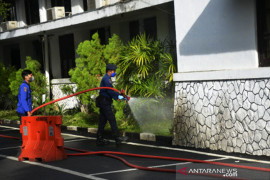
(107, 82)
(24, 99)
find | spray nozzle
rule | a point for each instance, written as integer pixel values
(123, 93)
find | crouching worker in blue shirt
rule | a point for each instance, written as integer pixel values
(24, 106)
(104, 102)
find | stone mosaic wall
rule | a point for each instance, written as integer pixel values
(57, 93)
(233, 116)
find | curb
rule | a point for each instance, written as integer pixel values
(144, 138)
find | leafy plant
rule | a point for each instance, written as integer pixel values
(4, 9)
(7, 100)
(167, 67)
(38, 86)
(144, 67)
(113, 50)
(90, 66)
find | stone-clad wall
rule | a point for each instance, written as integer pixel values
(57, 93)
(233, 116)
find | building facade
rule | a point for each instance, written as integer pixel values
(51, 30)
(222, 85)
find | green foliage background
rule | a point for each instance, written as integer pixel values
(7, 100)
(4, 8)
(145, 66)
(145, 69)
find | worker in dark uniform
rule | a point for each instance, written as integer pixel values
(24, 106)
(104, 102)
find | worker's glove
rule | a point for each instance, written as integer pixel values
(120, 97)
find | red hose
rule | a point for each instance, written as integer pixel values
(11, 137)
(60, 99)
(155, 169)
(172, 158)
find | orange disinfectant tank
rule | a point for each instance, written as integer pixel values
(42, 140)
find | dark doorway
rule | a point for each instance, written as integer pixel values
(150, 27)
(67, 54)
(134, 29)
(103, 33)
(263, 30)
(38, 54)
(15, 56)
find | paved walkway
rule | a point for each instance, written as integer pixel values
(101, 167)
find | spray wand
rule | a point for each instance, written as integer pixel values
(123, 93)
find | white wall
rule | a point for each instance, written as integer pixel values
(215, 34)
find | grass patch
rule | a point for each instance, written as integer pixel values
(81, 119)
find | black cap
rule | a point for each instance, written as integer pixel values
(111, 67)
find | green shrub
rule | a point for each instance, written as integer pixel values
(4, 9)
(7, 99)
(145, 66)
(90, 66)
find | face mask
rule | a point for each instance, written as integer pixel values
(113, 74)
(32, 79)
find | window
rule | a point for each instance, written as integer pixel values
(147, 26)
(67, 54)
(150, 27)
(263, 30)
(134, 29)
(37, 53)
(15, 56)
(65, 3)
(31, 12)
(85, 6)
(103, 33)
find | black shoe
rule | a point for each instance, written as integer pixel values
(101, 142)
(119, 140)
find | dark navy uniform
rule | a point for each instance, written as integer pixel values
(24, 99)
(105, 105)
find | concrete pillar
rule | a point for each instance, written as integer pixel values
(42, 10)
(77, 6)
(46, 63)
(20, 11)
